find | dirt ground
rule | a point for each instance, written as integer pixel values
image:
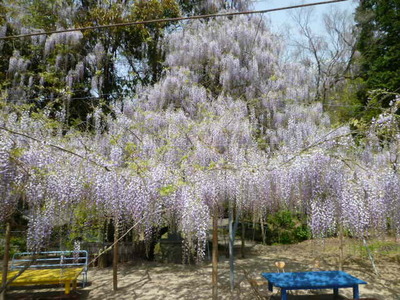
(156, 281)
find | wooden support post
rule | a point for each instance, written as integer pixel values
(215, 255)
(115, 259)
(5, 260)
(231, 247)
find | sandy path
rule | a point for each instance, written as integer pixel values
(156, 281)
(168, 281)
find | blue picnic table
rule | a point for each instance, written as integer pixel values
(313, 280)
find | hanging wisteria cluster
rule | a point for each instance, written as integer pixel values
(228, 122)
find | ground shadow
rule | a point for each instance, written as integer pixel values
(310, 297)
(48, 295)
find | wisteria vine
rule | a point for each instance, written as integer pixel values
(229, 121)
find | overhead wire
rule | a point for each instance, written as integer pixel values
(206, 16)
(156, 21)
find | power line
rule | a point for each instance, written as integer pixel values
(208, 16)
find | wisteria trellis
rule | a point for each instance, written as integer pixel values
(229, 121)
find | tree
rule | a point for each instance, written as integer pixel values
(330, 55)
(379, 45)
(196, 7)
(74, 72)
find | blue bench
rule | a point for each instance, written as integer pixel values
(313, 280)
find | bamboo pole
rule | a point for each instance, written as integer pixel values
(215, 256)
(371, 258)
(5, 260)
(341, 255)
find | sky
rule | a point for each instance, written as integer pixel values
(281, 20)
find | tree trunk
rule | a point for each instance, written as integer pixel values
(215, 256)
(262, 230)
(5, 260)
(115, 259)
(254, 230)
(243, 239)
(102, 261)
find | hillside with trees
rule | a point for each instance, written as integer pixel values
(174, 124)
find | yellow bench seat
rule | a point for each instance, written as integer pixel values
(66, 276)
